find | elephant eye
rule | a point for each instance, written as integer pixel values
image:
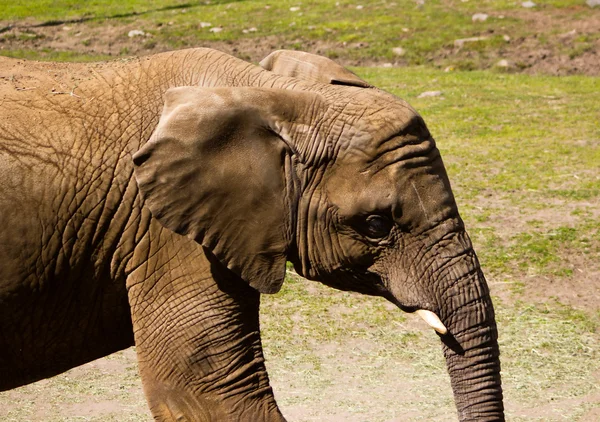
(378, 226)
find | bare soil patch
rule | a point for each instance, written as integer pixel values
(580, 289)
(554, 47)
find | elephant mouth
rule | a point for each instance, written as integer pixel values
(406, 306)
(424, 312)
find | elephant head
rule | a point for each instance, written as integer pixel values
(343, 180)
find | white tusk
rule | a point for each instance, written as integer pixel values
(432, 320)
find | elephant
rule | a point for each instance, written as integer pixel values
(156, 199)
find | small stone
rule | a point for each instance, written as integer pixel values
(294, 9)
(136, 33)
(405, 29)
(479, 17)
(205, 24)
(216, 29)
(503, 63)
(449, 69)
(398, 51)
(506, 38)
(359, 7)
(593, 3)
(569, 34)
(66, 28)
(387, 65)
(430, 94)
(460, 42)
(528, 4)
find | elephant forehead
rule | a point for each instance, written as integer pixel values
(405, 141)
(414, 190)
(372, 110)
(354, 193)
(372, 136)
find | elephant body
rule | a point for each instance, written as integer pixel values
(232, 165)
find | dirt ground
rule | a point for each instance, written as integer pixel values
(581, 290)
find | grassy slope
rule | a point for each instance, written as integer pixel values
(358, 34)
(50, 10)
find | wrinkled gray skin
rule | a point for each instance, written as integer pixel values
(303, 162)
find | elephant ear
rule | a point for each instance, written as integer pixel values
(310, 67)
(218, 169)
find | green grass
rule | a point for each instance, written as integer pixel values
(528, 143)
(50, 10)
(558, 354)
(46, 10)
(550, 353)
(339, 26)
(53, 55)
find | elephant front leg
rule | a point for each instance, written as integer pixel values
(197, 337)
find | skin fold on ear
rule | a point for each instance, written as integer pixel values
(218, 169)
(310, 67)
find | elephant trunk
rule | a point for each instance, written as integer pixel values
(470, 346)
(448, 290)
